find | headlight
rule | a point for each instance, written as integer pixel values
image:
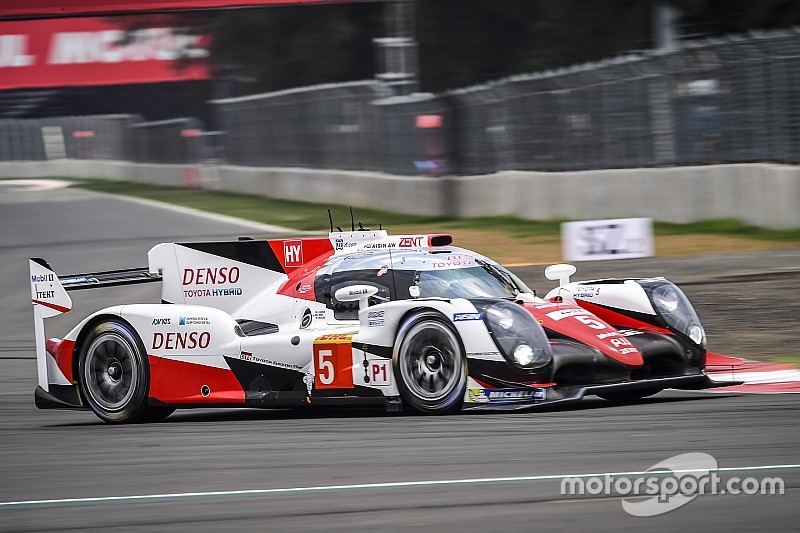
(675, 309)
(520, 339)
(697, 335)
(523, 355)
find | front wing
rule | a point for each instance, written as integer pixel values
(569, 394)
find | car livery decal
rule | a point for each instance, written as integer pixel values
(333, 361)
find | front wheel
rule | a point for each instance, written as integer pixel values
(114, 374)
(629, 396)
(430, 364)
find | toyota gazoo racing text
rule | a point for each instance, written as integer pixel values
(358, 318)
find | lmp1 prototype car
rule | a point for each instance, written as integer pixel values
(358, 318)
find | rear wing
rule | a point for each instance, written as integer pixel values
(110, 278)
(48, 290)
(49, 298)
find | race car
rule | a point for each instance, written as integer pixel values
(358, 318)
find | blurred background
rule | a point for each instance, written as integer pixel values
(427, 87)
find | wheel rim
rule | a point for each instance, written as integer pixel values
(430, 361)
(110, 371)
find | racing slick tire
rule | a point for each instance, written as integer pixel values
(430, 364)
(114, 374)
(630, 396)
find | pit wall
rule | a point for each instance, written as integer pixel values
(766, 195)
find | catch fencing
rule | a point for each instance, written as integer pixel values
(90, 137)
(177, 141)
(726, 100)
(103, 137)
(732, 99)
(327, 126)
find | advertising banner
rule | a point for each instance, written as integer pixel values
(98, 51)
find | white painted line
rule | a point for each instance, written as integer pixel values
(48, 184)
(363, 486)
(257, 226)
(35, 185)
(595, 499)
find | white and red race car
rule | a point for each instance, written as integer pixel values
(358, 318)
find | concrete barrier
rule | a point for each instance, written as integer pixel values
(764, 195)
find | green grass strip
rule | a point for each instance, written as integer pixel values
(313, 217)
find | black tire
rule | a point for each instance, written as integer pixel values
(629, 396)
(114, 375)
(430, 365)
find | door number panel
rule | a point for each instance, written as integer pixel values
(333, 362)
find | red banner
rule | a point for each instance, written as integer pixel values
(97, 51)
(60, 8)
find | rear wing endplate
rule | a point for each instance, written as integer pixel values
(49, 298)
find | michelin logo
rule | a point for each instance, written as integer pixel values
(505, 395)
(477, 396)
(467, 316)
(516, 394)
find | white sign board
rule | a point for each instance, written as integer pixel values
(621, 238)
(53, 140)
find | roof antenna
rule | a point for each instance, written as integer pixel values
(352, 221)
(380, 227)
(330, 219)
(361, 226)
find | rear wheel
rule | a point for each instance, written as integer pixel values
(114, 375)
(430, 365)
(629, 396)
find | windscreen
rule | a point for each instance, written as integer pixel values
(485, 281)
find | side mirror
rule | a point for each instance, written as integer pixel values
(356, 293)
(560, 272)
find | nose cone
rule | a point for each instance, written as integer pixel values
(579, 324)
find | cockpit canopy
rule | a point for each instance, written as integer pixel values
(406, 274)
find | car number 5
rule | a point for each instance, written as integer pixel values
(589, 321)
(325, 368)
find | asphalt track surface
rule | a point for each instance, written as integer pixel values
(56, 455)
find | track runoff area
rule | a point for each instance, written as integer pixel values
(356, 471)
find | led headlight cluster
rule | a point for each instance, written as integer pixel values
(520, 339)
(674, 307)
